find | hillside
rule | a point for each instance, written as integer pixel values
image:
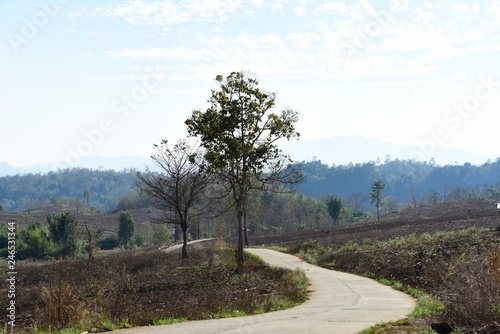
(449, 216)
(107, 222)
(406, 182)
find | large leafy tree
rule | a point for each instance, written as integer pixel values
(178, 191)
(239, 132)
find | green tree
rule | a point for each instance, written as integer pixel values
(334, 205)
(34, 242)
(161, 235)
(109, 243)
(126, 228)
(62, 227)
(376, 196)
(239, 132)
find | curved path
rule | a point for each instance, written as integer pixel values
(339, 303)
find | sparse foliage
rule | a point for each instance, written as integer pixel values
(179, 191)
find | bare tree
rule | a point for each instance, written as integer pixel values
(179, 190)
(414, 196)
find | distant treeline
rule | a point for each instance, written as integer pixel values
(406, 182)
(96, 188)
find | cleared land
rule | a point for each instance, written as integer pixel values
(339, 303)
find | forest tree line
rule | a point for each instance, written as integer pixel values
(103, 191)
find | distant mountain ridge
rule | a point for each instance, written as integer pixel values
(94, 162)
(335, 150)
(358, 149)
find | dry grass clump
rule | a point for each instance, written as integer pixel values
(470, 287)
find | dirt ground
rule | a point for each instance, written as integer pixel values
(450, 216)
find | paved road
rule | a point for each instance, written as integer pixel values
(339, 303)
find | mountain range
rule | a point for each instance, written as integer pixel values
(336, 150)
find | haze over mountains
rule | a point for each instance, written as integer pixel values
(336, 150)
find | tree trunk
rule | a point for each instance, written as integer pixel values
(239, 250)
(184, 242)
(245, 228)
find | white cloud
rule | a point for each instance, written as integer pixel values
(168, 12)
(147, 13)
(210, 10)
(300, 10)
(459, 8)
(304, 40)
(424, 15)
(464, 12)
(494, 11)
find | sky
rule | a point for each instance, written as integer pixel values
(111, 78)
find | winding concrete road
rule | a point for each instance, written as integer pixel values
(339, 303)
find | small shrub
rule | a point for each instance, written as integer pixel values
(350, 246)
(106, 326)
(428, 305)
(125, 324)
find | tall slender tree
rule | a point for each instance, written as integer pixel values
(239, 132)
(376, 196)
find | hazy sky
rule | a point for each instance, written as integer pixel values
(111, 78)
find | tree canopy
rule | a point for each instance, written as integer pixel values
(239, 132)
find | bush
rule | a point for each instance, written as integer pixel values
(109, 243)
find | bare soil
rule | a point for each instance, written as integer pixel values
(449, 216)
(143, 287)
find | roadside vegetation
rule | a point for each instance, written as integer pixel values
(455, 276)
(140, 288)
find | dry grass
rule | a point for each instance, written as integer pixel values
(144, 288)
(460, 270)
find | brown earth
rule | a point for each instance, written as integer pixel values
(449, 216)
(143, 287)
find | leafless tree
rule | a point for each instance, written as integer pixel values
(179, 190)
